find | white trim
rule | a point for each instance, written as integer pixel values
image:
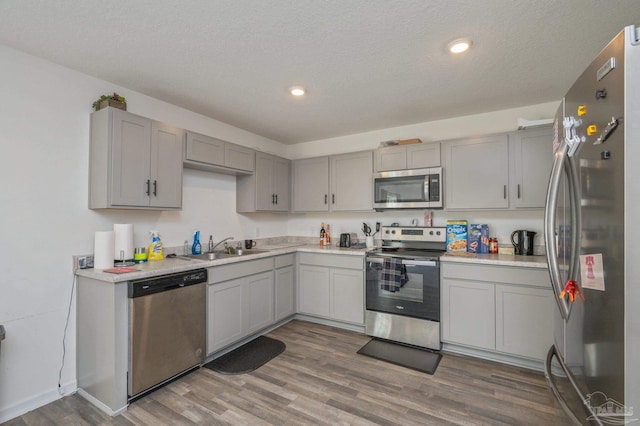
(37, 401)
(531, 364)
(99, 404)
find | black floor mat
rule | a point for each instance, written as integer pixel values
(406, 356)
(248, 357)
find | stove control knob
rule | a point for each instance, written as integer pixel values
(393, 232)
(386, 232)
(437, 232)
(430, 232)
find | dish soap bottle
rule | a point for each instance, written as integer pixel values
(196, 248)
(155, 251)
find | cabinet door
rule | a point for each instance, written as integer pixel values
(423, 155)
(347, 295)
(477, 173)
(352, 182)
(130, 165)
(238, 157)
(311, 185)
(281, 183)
(524, 320)
(390, 158)
(285, 304)
(531, 160)
(224, 314)
(264, 178)
(204, 149)
(314, 293)
(166, 166)
(258, 301)
(468, 313)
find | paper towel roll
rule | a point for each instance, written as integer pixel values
(123, 241)
(104, 241)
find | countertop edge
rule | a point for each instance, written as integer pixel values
(539, 262)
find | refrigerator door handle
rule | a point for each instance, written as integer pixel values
(551, 248)
(576, 225)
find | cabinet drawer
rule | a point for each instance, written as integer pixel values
(285, 260)
(331, 260)
(218, 274)
(497, 274)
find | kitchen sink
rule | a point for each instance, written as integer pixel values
(223, 255)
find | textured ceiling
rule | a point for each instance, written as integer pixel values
(367, 64)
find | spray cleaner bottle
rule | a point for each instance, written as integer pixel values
(155, 251)
(196, 248)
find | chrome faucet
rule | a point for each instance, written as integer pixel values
(226, 245)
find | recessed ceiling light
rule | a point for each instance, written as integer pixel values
(297, 91)
(459, 45)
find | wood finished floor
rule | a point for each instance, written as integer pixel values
(319, 379)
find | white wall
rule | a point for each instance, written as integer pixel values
(44, 219)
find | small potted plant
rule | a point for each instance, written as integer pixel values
(114, 100)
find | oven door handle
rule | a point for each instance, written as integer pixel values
(430, 263)
(406, 262)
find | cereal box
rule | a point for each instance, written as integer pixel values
(478, 238)
(457, 235)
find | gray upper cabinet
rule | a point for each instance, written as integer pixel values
(531, 153)
(351, 186)
(477, 173)
(336, 183)
(267, 189)
(135, 162)
(414, 156)
(310, 185)
(210, 154)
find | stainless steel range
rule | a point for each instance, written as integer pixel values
(403, 286)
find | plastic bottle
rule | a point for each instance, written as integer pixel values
(196, 248)
(322, 234)
(155, 251)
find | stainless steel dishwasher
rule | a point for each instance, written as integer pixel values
(167, 320)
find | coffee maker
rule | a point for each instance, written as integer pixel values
(523, 242)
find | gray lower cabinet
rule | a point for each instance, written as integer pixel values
(210, 154)
(267, 189)
(502, 309)
(285, 286)
(134, 162)
(331, 286)
(240, 301)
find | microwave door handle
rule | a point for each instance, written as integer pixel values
(426, 196)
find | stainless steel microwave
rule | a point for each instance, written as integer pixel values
(408, 189)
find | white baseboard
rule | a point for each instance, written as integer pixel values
(37, 401)
(516, 361)
(331, 323)
(99, 404)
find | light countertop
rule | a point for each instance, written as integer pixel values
(497, 259)
(180, 264)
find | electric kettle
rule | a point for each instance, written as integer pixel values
(523, 242)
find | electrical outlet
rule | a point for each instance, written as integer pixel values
(84, 262)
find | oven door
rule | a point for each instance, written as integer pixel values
(418, 298)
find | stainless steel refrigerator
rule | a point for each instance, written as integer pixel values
(592, 236)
